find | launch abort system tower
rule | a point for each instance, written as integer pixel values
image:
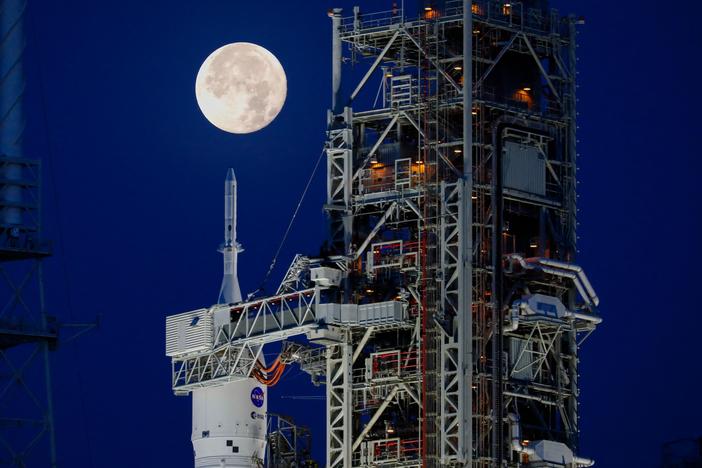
(445, 312)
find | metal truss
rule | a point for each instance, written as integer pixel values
(339, 435)
(453, 382)
(228, 363)
(239, 339)
(272, 317)
(295, 278)
(339, 176)
(289, 445)
(27, 333)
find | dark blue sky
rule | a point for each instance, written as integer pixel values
(135, 199)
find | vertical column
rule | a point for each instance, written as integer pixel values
(572, 204)
(339, 404)
(12, 119)
(46, 349)
(465, 221)
(335, 16)
(339, 150)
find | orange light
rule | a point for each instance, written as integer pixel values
(521, 95)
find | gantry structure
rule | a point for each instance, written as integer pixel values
(446, 310)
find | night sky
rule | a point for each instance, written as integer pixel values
(134, 180)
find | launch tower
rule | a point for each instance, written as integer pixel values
(445, 312)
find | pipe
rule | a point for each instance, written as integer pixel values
(574, 272)
(544, 401)
(571, 275)
(335, 15)
(581, 461)
(579, 270)
(515, 434)
(585, 317)
(513, 322)
(465, 299)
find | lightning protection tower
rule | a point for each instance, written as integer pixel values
(27, 334)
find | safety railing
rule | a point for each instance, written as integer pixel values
(379, 19)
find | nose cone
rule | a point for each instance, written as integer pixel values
(231, 177)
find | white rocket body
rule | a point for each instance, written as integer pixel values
(229, 426)
(229, 421)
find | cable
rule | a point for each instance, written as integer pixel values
(287, 231)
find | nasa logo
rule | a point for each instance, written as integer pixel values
(257, 397)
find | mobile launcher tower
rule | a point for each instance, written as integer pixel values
(445, 313)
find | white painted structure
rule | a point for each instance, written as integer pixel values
(229, 424)
(229, 417)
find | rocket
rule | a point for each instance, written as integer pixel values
(230, 293)
(229, 419)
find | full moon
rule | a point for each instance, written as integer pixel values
(241, 87)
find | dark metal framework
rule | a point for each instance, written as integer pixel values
(405, 177)
(27, 333)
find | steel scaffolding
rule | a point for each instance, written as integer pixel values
(446, 303)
